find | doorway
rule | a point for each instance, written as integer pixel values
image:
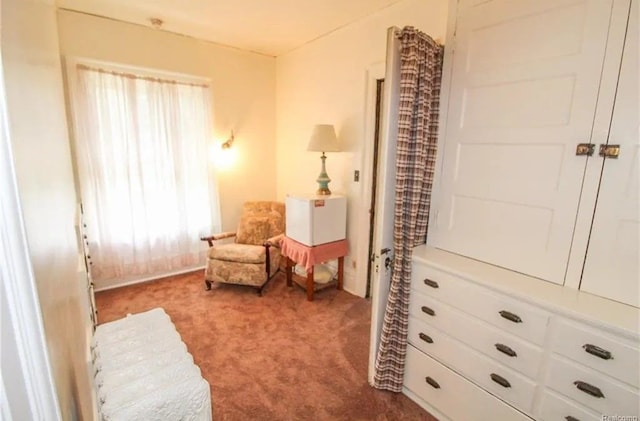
(374, 179)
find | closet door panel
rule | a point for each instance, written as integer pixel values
(611, 267)
(521, 99)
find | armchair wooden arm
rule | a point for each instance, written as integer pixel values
(211, 238)
(275, 241)
(271, 242)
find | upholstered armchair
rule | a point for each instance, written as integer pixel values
(254, 257)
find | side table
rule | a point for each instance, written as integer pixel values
(308, 256)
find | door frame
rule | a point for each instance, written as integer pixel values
(374, 180)
(385, 185)
(373, 73)
(38, 397)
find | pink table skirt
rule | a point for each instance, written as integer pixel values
(309, 256)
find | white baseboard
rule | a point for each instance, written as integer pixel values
(117, 283)
(350, 290)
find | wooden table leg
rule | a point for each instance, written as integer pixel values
(288, 271)
(310, 284)
(340, 271)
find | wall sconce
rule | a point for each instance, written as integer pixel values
(223, 155)
(227, 144)
(156, 22)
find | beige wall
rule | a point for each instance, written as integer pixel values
(38, 135)
(243, 85)
(325, 82)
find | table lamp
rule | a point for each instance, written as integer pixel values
(323, 139)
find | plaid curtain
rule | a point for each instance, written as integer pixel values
(420, 77)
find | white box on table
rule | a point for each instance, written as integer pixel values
(313, 219)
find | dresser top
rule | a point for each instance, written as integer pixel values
(573, 303)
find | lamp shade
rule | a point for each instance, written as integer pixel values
(323, 139)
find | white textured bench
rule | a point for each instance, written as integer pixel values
(144, 372)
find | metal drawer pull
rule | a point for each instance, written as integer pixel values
(598, 352)
(428, 310)
(589, 389)
(500, 380)
(570, 418)
(510, 316)
(432, 284)
(506, 350)
(426, 338)
(432, 382)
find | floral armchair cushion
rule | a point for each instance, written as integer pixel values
(253, 230)
(260, 221)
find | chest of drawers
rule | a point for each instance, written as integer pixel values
(523, 348)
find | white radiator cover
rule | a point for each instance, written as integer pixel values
(144, 372)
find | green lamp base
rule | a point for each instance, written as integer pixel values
(323, 179)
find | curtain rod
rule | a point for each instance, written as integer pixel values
(397, 31)
(81, 66)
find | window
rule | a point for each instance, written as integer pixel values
(141, 145)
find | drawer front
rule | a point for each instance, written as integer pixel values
(428, 339)
(446, 390)
(596, 349)
(558, 408)
(491, 375)
(591, 388)
(502, 347)
(506, 313)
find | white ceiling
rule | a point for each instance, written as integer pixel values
(270, 27)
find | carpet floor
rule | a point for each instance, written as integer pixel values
(275, 357)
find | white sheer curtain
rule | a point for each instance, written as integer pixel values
(147, 192)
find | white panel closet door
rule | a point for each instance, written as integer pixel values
(524, 87)
(611, 268)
